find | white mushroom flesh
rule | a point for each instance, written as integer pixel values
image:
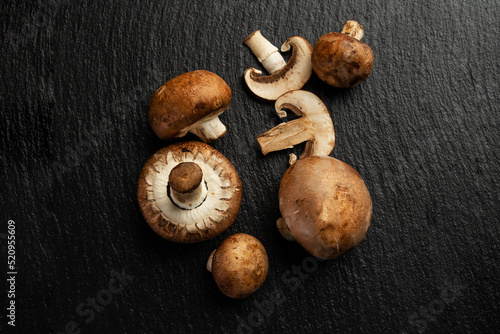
(314, 126)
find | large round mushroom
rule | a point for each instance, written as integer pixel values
(325, 205)
(190, 102)
(189, 192)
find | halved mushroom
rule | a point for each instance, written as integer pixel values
(190, 102)
(326, 206)
(239, 265)
(314, 126)
(189, 192)
(283, 76)
(341, 59)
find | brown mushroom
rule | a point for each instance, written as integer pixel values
(190, 102)
(189, 192)
(341, 59)
(239, 265)
(283, 76)
(325, 205)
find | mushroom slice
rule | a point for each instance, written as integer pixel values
(315, 126)
(326, 206)
(190, 102)
(189, 192)
(283, 77)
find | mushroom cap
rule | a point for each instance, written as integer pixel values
(341, 60)
(187, 100)
(240, 265)
(217, 212)
(325, 205)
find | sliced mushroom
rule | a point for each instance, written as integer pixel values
(283, 76)
(325, 205)
(189, 192)
(239, 265)
(341, 59)
(190, 102)
(314, 126)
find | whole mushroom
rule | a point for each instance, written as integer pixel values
(326, 206)
(283, 76)
(190, 102)
(341, 59)
(189, 192)
(239, 265)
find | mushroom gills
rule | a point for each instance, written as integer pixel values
(189, 192)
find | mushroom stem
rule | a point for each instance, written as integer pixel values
(187, 190)
(211, 260)
(283, 136)
(284, 230)
(266, 53)
(353, 29)
(209, 130)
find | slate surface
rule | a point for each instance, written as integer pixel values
(76, 79)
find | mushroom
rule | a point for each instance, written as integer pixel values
(189, 192)
(239, 265)
(314, 126)
(190, 102)
(341, 59)
(283, 76)
(326, 206)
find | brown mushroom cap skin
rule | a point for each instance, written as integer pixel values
(326, 205)
(341, 60)
(185, 100)
(240, 265)
(173, 155)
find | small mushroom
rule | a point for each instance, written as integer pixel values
(325, 205)
(189, 192)
(283, 76)
(239, 265)
(341, 59)
(190, 102)
(314, 126)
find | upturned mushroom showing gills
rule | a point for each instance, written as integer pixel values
(239, 265)
(341, 59)
(283, 76)
(189, 192)
(190, 102)
(326, 206)
(314, 126)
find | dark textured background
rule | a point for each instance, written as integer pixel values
(76, 79)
